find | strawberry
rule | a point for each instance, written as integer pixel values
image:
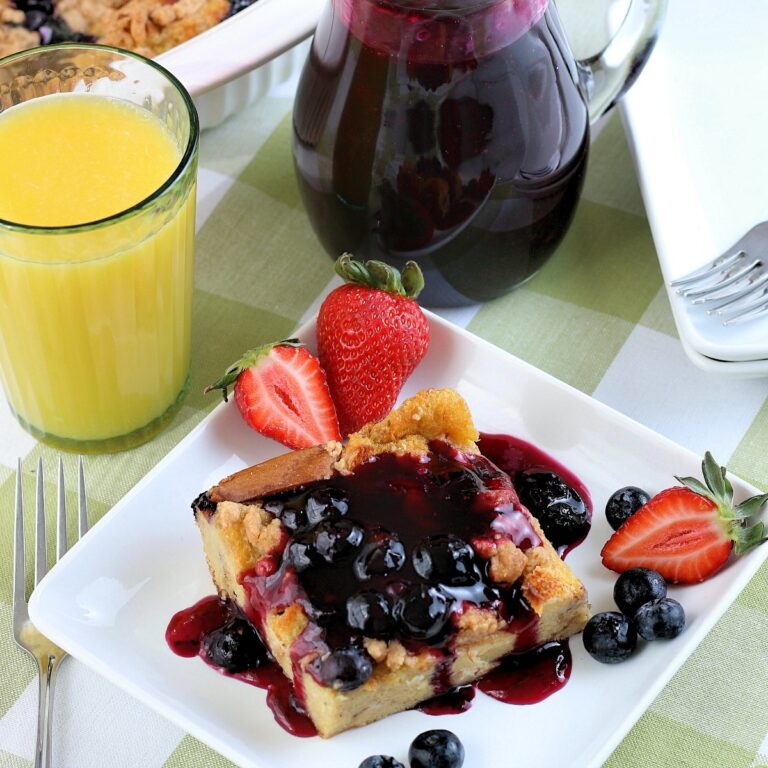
(687, 533)
(281, 391)
(371, 334)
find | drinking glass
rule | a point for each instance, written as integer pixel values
(454, 133)
(95, 318)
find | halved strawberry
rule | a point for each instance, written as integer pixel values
(281, 391)
(687, 533)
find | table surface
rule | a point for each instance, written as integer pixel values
(596, 316)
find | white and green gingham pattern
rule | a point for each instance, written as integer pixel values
(596, 317)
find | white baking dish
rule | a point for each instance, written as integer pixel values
(236, 62)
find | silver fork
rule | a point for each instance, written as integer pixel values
(47, 654)
(734, 286)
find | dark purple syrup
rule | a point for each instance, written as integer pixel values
(454, 134)
(515, 456)
(185, 635)
(400, 502)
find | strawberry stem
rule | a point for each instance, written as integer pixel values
(381, 276)
(248, 359)
(718, 489)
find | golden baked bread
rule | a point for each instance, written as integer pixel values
(420, 573)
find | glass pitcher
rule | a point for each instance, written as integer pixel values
(454, 133)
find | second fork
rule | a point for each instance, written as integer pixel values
(46, 653)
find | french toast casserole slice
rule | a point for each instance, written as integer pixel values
(385, 571)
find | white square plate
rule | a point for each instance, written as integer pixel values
(109, 600)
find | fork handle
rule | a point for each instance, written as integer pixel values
(48, 666)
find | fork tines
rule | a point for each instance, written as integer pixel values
(733, 286)
(41, 559)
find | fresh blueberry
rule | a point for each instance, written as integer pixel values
(335, 539)
(346, 668)
(236, 646)
(380, 761)
(637, 586)
(610, 637)
(422, 611)
(324, 504)
(558, 507)
(436, 749)
(446, 559)
(382, 555)
(370, 612)
(661, 619)
(623, 504)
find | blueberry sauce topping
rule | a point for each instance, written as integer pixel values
(392, 551)
(389, 552)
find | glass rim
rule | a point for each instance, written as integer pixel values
(143, 204)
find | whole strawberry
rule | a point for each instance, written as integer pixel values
(687, 533)
(371, 334)
(281, 392)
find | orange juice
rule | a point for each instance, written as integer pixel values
(94, 319)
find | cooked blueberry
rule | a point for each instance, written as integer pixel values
(383, 555)
(422, 611)
(623, 504)
(380, 761)
(660, 619)
(235, 646)
(35, 18)
(56, 30)
(370, 612)
(461, 485)
(436, 749)
(447, 559)
(335, 539)
(235, 6)
(292, 518)
(558, 507)
(324, 504)
(301, 552)
(637, 586)
(346, 668)
(610, 637)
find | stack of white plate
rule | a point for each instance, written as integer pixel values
(697, 121)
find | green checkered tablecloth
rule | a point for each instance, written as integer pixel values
(596, 317)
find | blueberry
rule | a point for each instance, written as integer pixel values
(235, 646)
(381, 556)
(235, 6)
(623, 504)
(370, 612)
(436, 749)
(35, 18)
(660, 619)
(610, 637)
(447, 559)
(637, 586)
(56, 30)
(301, 552)
(333, 540)
(346, 668)
(328, 542)
(422, 611)
(380, 761)
(324, 504)
(558, 507)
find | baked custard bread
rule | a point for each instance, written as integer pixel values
(388, 570)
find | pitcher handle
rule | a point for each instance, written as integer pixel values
(607, 75)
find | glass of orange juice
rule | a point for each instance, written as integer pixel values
(98, 168)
